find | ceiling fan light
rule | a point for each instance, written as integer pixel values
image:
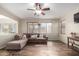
(38, 11)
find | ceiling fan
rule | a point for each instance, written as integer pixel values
(39, 9)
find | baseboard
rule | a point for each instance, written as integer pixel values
(53, 40)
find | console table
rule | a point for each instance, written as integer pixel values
(74, 39)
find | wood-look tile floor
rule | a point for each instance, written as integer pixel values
(53, 48)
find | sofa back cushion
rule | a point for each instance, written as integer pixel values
(33, 36)
(17, 37)
(24, 37)
(29, 35)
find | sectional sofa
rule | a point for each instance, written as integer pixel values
(21, 40)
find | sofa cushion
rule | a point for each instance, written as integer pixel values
(17, 44)
(24, 37)
(33, 36)
(28, 35)
(17, 37)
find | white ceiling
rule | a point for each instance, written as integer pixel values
(57, 10)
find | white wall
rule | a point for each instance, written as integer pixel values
(5, 37)
(70, 26)
(52, 36)
(10, 15)
(23, 26)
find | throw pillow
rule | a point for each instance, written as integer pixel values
(17, 37)
(33, 36)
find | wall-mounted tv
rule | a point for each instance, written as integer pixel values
(76, 17)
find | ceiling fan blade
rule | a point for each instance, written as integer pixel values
(31, 9)
(46, 9)
(42, 13)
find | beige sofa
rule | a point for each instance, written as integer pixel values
(20, 41)
(17, 44)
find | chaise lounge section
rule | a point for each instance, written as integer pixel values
(17, 44)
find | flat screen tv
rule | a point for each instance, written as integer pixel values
(76, 17)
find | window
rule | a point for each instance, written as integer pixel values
(8, 28)
(8, 25)
(43, 28)
(49, 27)
(5, 28)
(36, 28)
(39, 27)
(33, 28)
